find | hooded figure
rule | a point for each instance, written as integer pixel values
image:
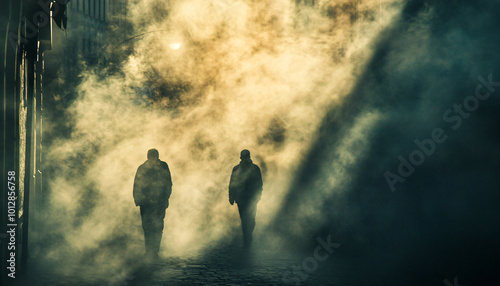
(152, 189)
(245, 188)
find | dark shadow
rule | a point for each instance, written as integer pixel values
(245, 189)
(442, 221)
(152, 189)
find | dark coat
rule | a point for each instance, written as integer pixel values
(152, 184)
(245, 185)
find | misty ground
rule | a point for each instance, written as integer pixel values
(227, 263)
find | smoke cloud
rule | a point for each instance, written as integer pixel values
(204, 81)
(325, 97)
(440, 220)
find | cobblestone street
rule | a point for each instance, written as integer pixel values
(225, 264)
(232, 266)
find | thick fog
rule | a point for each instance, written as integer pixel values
(325, 97)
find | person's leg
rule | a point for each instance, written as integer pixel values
(251, 212)
(158, 228)
(147, 225)
(245, 223)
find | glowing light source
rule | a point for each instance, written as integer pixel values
(175, 46)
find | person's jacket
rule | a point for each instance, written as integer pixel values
(152, 184)
(245, 185)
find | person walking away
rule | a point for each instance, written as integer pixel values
(152, 190)
(245, 188)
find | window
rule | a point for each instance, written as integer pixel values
(86, 7)
(98, 10)
(104, 10)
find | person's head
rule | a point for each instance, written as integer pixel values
(245, 154)
(153, 154)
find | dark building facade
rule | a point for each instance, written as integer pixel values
(26, 29)
(43, 54)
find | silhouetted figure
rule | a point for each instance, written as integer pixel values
(152, 189)
(245, 188)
